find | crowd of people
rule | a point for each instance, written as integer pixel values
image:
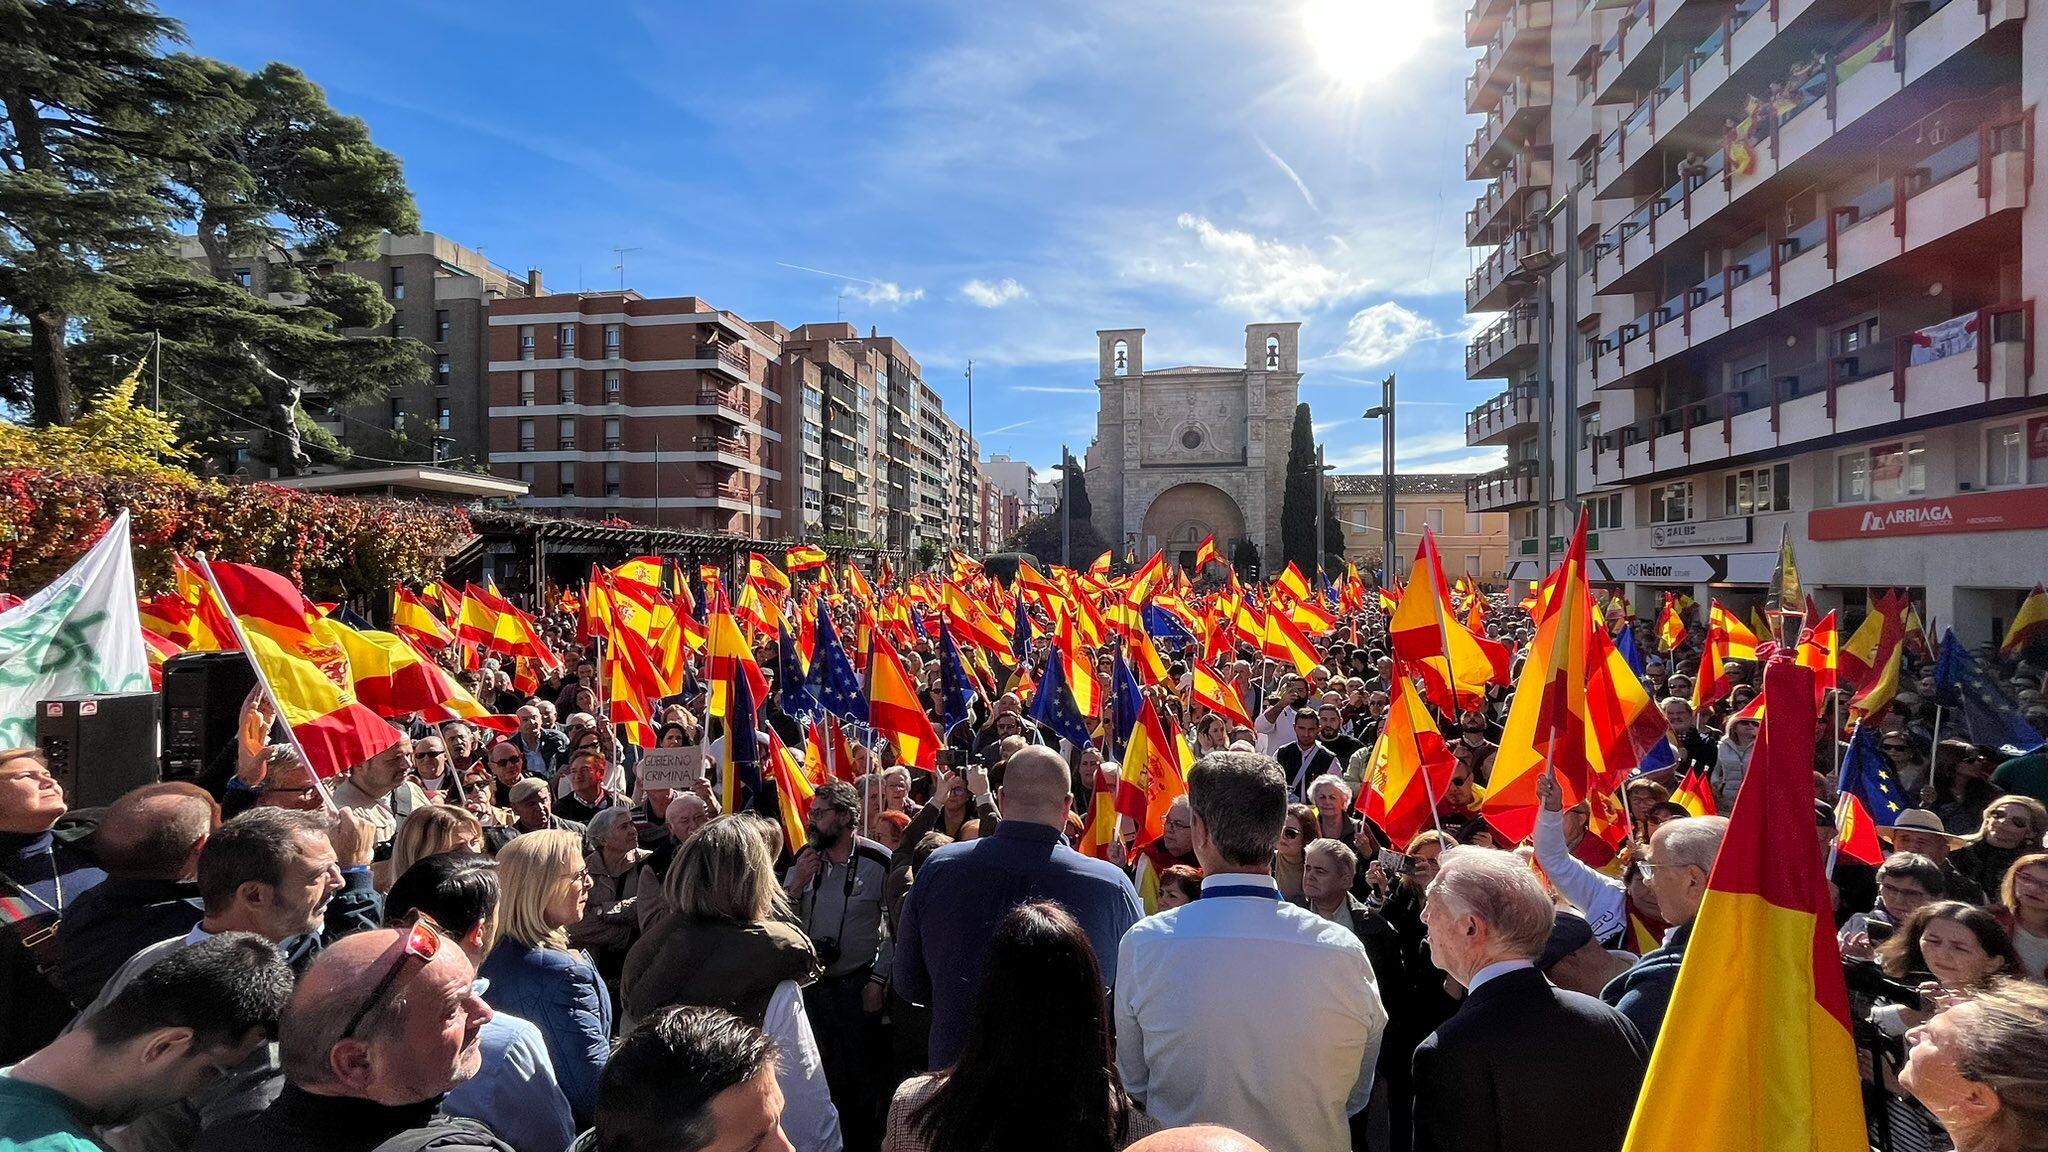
(496, 936)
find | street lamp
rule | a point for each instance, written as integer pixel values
(1322, 470)
(1384, 412)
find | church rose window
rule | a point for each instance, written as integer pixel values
(1191, 439)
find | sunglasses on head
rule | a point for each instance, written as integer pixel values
(421, 941)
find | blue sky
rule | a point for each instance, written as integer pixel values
(985, 180)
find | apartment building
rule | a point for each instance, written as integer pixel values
(662, 411)
(1016, 478)
(832, 380)
(1471, 544)
(441, 294)
(1764, 264)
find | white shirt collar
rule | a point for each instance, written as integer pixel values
(1497, 968)
(1240, 880)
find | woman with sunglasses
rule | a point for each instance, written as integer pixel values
(2011, 828)
(1300, 828)
(534, 972)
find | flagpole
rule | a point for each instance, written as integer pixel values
(242, 640)
(1934, 746)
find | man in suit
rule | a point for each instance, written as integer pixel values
(1308, 757)
(1488, 1079)
(1680, 855)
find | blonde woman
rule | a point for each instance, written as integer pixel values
(432, 830)
(731, 945)
(2012, 827)
(535, 974)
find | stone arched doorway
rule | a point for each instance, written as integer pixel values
(1183, 515)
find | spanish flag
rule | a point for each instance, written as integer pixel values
(1219, 695)
(805, 557)
(1284, 641)
(896, 711)
(1756, 1050)
(793, 790)
(412, 619)
(1410, 768)
(1455, 665)
(1670, 624)
(2028, 627)
(1205, 553)
(1693, 795)
(306, 668)
(1152, 775)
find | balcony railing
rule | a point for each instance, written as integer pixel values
(1528, 23)
(1616, 352)
(732, 400)
(1941, 370)
(1507, 125)
(1511, 409)
(1491, 216)
(1505, 338)
(1502, 487)
(1483, 19)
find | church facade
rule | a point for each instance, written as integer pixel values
(1183, 453)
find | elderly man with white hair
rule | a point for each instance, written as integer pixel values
(1676, 864)
(1489, 1078)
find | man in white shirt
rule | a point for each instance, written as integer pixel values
(1241, 1009)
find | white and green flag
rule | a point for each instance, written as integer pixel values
(79, 635)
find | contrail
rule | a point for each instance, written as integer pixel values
(1291, 173)
(836, 275)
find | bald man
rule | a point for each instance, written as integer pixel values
(964, 890)
(1198, 1138)
(380, 1027)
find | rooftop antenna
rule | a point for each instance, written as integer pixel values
(839, 308)
(620, 267)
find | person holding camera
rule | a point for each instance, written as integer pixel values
(836, 886)
(1906, 882)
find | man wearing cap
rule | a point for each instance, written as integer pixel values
(1920, 831)
(532, 809)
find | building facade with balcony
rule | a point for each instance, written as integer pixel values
(1791, 255)
(660, 411)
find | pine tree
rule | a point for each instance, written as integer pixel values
(1298, 500)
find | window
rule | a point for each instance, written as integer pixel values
(526, 435)
(444, 418)
(1757, 490)
(2005, 456)
(565, 385)
(566, 338)
(611, 386)
(526, 389)
(1604, 511)
(1400, 520)
(565, 432)
(566, 472)
(1472, 564)
(611, 433)
(397, 416)
(611, 341)
(1750, 381)
(526, 474)
(1474, 526)
(1850, 339)
(1898, 470)
(442, 368)
(441, 325)
(398, 326)
(611, 479)
(1852, 478)
(1671, 503)
(526, 341)
(242, 277)
(398, 283)
(1434, 519)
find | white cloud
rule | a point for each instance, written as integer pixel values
(994, 295)
(1245, 272)
(1383, 334)
(886, 294)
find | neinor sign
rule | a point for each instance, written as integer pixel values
(2007, 511)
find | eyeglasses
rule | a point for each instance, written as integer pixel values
(1648, 869)
(581, 877)
(1290, 833)
(422, 941)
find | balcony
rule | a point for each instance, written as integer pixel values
(1963, 184)
(1510, 411)
(1497, 281)
(735, 360)
(721, 491)
(1629, 58)
(1509, 127)
(1502, 488)
(1501, 208)
(1483, 19)
(1524, 30)
(1507, 345)
(1941, 373)
(1765, 43)
(730, 403)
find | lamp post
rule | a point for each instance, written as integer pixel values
(1384, 413)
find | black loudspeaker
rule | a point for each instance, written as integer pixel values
(99, 747)
(203, 694)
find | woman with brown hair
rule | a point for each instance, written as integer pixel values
(1302, 822)
(432, 830)
(1979, 1069)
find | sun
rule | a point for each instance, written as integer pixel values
(1361, 43)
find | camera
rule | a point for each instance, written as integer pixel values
(952, 758)
(1396, 863)
(1866, 978)
(827, 948)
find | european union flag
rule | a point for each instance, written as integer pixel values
(1126, 706)
(1625, 644)
(832, 680)
(742, 760)
(1020, 640)
(797, 699)
(1867, 777)
(1161, 626)
(954, 686)
(1990, 716)
(1052, 705)
(1663, 755)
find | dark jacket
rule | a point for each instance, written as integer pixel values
(32, 1010)
(1644, 991)
(714, 964)
(115, 920)
(1490, 1078)
(303, 1122)
(1319, 760)
(561, 994)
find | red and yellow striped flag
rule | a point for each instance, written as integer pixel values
(1410, 767)
(2029, 624)
(895, 710)
(1219, 695)
(1756, 1050)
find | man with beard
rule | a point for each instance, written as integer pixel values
(836, 887)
